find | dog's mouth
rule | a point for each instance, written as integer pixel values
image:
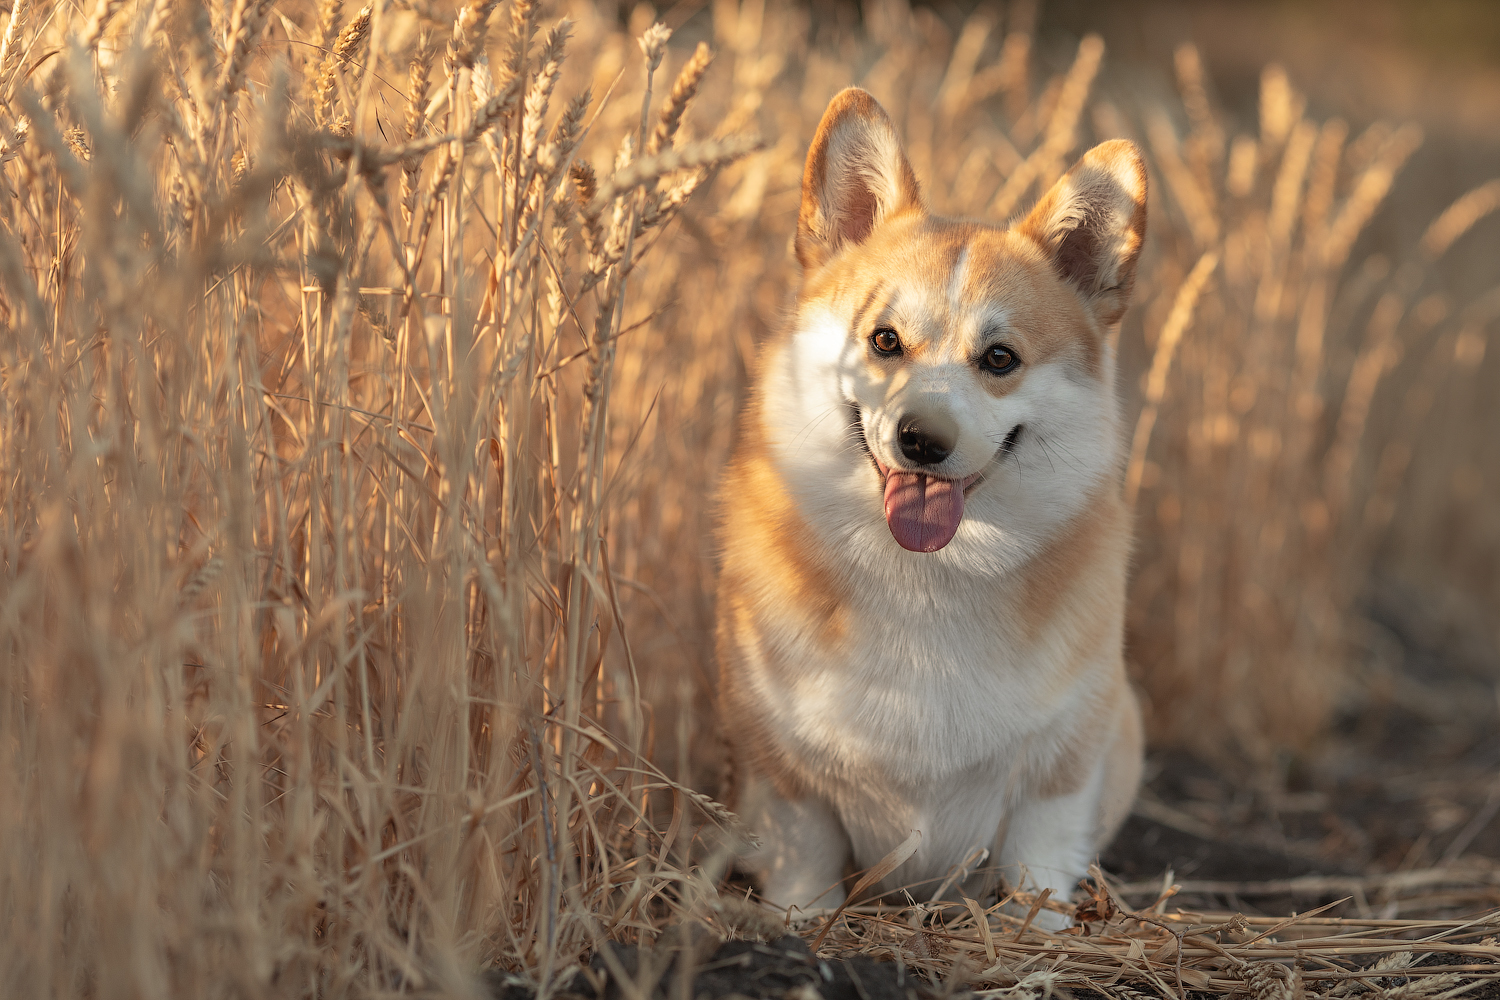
(923, 511)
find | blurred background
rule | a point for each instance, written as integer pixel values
(1435, 64)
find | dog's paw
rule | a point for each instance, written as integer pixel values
(738, 917)
(1045, 920)
(1051, 921)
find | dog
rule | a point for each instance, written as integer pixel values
(920, 612)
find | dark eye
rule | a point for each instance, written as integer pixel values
(999, 359)
(885, 341)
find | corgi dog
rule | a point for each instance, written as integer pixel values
(923, 540)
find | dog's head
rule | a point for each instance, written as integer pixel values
(950, 379)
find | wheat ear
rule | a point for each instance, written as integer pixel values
(18, 12)
(684, 89)
(469, 30)
(540, 95)
(649, 168)
(418, 73)
(345, 50)
(244, 28)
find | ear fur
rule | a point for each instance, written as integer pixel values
(856, 178)
(1092, 224)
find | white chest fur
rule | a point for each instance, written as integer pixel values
(921, 720)
(909, 699)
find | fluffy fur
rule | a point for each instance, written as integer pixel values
(975, 693)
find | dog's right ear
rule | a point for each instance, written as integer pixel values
(856, 178)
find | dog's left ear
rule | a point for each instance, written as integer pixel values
(1092, 224)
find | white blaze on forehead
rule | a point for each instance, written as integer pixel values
(956, 282)
(972, 322)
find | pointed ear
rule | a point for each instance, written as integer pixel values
(1092, 224)
(856, 178)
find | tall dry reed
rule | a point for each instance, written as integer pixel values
(308, 437)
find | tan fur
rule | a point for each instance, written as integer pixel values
(769, 533)
(864, 688)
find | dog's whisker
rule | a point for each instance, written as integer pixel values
(811, 425)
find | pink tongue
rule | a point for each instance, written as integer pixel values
(923, 512)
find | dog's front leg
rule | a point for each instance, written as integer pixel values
(804, 847)
(1049, 844)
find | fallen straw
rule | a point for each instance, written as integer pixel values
(1216, 953)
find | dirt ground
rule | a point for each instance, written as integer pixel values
(1407, 782)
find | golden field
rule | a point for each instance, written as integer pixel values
(366, 377)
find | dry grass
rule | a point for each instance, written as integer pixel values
(305, 591)
(1127, 953)
(366, 374)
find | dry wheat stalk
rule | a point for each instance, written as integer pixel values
(19, 10)
(1280, 106)
(1045, 164)
(1369, 191)
(496, 107)
(566, 134)
(345, 49)
(330, 13)
(523, 20)
(10, 145)
(538, 97)
(558, 271)
(469, 31)
(483, 88)
(98, 23)
(245, 24)
(1459, 217)
(683, 91)
(1178, 321)
(587, 187)
(418, 71)
(649, 168)
(1196, 204)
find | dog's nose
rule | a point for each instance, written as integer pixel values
(926, 439)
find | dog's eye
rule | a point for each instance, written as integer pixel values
(999, 359)
(885, 341)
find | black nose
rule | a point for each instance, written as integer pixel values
(926, 440)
